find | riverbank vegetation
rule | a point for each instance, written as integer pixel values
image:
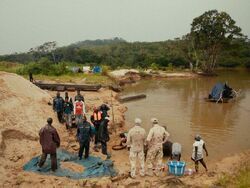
(214, 41)
(238, 179)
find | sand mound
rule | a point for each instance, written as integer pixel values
(23, 108)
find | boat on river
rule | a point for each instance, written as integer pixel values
(221, 93)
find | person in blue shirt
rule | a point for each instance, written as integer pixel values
(84, 136)
(58, 104)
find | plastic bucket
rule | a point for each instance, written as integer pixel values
(176, 168)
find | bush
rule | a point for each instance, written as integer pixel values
(45, 67)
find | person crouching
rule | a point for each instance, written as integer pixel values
(84, 136)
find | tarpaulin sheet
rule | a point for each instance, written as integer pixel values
(93, 166)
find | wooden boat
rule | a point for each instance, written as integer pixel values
(133, 97)
(68, 87)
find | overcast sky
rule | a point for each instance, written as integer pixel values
(29, 23)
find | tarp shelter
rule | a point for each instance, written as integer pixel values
(93, 166)
(217, 91)
(97, 69)
(75, 69)
(86, 69)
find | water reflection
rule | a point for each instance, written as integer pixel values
(179, 104)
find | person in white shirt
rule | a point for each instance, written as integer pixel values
(176, 151)
(197, 155)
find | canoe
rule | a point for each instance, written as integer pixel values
(130, 98)
(68, 87)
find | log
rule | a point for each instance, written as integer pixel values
(130, 98)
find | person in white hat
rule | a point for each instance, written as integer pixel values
(156, 137)
(135, 142)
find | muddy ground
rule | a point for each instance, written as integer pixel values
(23, 111)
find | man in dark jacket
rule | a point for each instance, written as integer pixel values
(84, 135)
(79, 97)
(58, 104)
(104, 109)
(103, 135)
(50, 140)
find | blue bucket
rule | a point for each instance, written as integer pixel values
(176, 168)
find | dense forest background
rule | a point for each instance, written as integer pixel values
(204, 45)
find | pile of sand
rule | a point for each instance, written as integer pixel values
(23, 108)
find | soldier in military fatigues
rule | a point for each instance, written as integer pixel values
(135, 142)
(156, 137)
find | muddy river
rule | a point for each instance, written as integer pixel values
(179, 104)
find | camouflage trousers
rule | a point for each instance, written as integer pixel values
(154, 159)
(132, 157)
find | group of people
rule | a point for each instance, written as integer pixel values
(66, 108)
(96, 131)
(145, 148)
(151, 146)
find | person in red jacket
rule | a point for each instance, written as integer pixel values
(50, 140)
(79, 111)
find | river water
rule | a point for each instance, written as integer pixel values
(179, 104)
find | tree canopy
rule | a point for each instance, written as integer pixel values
(211, 32)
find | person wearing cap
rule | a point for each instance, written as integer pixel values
(197, 155)
(156, 137)
(135, 142)
(103, 135)
(49, 140)
(58, 104)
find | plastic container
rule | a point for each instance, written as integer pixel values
(189, 171)
(176, 168)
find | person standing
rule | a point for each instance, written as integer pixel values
(197, 155)
(96, 119)
(156, 137)
(104, 110)
(31, 77)
(58, 104)
(103, 136)
(68, 110)
(79, 111)
(49, 140)
(135, 142)
(79, 96)
(84, 136)
(69, 98)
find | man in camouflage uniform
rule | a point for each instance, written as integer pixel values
(135, 142)
(156, 137)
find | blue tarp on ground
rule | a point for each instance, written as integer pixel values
(217, 90)
(97, 69)
(93, 166)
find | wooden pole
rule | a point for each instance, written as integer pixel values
(112, 108)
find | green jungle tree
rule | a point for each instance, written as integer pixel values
(211, 32)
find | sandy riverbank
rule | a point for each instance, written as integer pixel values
(23, 111)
